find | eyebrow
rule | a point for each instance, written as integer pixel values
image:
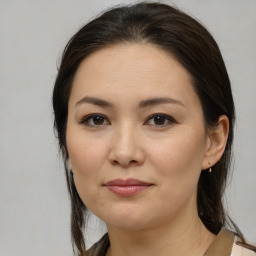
(158, 101)
(142, 104)
(95, 101)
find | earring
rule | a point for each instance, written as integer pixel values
(210, 169)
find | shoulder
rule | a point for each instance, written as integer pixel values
(239, 250)
(99, 248)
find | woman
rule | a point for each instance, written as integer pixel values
(144, 116)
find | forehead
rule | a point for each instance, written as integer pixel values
(132, 69)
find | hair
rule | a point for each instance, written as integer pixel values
(192, 45)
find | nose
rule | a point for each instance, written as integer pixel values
(126, 148)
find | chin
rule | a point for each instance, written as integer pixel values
(129, 218)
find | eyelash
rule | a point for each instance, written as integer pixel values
(168, 118)
(85, 120)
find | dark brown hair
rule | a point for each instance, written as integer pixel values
(192, 45)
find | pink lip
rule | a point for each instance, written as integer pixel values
(129, 187)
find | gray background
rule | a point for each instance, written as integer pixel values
(34, 206)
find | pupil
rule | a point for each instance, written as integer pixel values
(159, 120)
(98, 120)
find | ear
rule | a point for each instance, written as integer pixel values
(216, 142)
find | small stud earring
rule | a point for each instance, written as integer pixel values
(210, 169)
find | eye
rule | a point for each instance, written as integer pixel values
(160, 120)
(94, 120)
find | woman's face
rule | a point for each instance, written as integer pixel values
(136, 137)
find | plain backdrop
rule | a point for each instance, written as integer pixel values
(34, 204)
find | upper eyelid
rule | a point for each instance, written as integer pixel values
(162, 115)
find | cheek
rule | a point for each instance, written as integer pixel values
(86, 154)
(179, 160)
(178, 174)
(179, 152)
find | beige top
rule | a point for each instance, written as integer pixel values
(223, 245)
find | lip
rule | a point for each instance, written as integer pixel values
(129, 187)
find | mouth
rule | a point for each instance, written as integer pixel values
(129, 187)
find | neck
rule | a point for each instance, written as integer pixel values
(178, 238)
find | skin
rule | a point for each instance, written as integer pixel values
(128, 143)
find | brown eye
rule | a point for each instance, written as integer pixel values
(94, 120)
(160, 120)
(98, 120)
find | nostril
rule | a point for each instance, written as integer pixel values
(124, 163)
(115, 162)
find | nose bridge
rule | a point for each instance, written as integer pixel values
(124, 137)
(126, 148)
